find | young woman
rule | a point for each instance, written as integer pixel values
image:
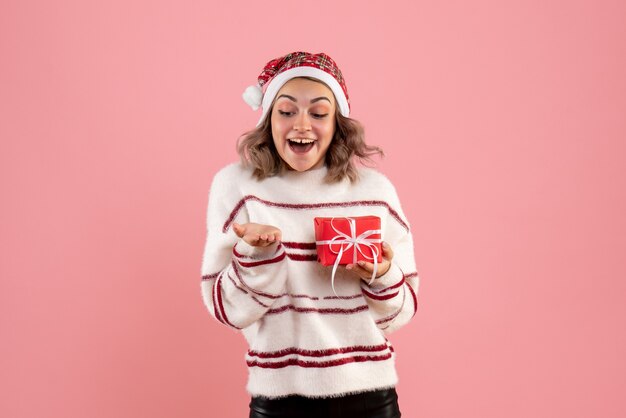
(312, 351)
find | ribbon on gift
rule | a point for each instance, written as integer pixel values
(346, 242)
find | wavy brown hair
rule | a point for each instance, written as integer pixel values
(256, 149)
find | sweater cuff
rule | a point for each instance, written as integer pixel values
(242, 248)
(391, 277)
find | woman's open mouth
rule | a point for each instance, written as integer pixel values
(301, 145)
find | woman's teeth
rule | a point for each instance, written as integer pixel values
(301, 145)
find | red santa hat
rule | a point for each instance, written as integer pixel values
(297, 64)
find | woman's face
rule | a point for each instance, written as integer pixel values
(303, 123)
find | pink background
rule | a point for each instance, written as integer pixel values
(504, 124)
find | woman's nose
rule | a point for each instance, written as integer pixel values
(302, 122)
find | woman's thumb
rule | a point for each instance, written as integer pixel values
(387, 251)
(238, 229)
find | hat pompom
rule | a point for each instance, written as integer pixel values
(253, 96)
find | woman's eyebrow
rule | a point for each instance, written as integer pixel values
(293, 99)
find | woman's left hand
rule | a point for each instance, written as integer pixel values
(364, 269)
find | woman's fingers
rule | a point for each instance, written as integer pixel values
(387, 251)
(257, 234)
(369, 267)
(253, 239)
(361, 271)
(365, 269)
(259, 240)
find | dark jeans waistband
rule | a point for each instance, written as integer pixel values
(381, 403)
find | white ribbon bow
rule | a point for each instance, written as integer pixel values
(347, 241)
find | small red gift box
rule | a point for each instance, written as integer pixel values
(353, 238)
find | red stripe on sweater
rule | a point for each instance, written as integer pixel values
(236, 285)
(414, 299)
(292, 256)
(389, 318)
(210, 276)
(360, 295)
(386, 288)
(301, 245)
(301, 296)
(239, 255)
(218, 283)
(215, 310)
(302, 257)
(378, 297)
(292, 295)
(320, 364)
(339, 311)
(262, 262)
(243, 201)
(316, 353)
(396, 313)
(254, 298)
(238, 274)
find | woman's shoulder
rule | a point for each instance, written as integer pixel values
(234, 167)
(377, 182)
(371, 176)
(233, 172)
(372, 179)
(229, 178)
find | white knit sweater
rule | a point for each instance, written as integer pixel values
(302, 338)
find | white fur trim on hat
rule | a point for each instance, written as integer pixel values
(277, 82)
(253, 96)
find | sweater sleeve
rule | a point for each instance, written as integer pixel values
(392, 297)
(239, 282)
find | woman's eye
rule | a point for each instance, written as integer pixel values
(315, 115)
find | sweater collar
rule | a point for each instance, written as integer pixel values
(312, 178)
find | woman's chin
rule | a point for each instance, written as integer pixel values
(301, 162)
(301, 165)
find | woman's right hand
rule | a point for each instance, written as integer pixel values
(257, 235)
